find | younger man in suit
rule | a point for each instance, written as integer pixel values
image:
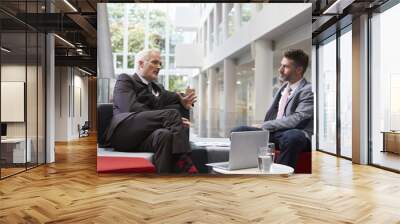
(148, 118)
(290, 117)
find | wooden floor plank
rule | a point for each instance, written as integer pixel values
(70, 191)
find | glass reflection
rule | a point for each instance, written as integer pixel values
(14, 148)
(346, 95)
(327, 97)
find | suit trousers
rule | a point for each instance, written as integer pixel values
(290, 142)
(157, 131)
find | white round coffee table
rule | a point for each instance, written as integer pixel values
(276, 169)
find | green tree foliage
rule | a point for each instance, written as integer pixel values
(157, 25)
(136, 39)
(156, 41)
(116, 39)
(116, 14)
(246, 12)
(136, 28)
(177, 83)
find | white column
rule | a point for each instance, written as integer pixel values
(360, 90)
(216, 15)
(104, 52)
(50, 98)
(263, 75)
(229, 96)
(205, 39)
(225, 21)
(70, 92)
(50, 93)
(237, 16)
(314, 89)
(195, 110)
(62, 100)
(213, 109)
(202, 106)
(209, 44)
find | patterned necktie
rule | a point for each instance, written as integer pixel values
(282, 102)
(150, 88)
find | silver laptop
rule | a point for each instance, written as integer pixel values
(244, 148)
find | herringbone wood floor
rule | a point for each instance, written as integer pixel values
(70, 191)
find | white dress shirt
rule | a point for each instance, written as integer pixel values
(293, 87)
(155, 93)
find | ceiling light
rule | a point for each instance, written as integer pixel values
(65, 41)
(84, 71)
(5, 50)
(70, 5)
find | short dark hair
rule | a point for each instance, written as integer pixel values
(299, 57)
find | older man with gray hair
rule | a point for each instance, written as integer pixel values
(148, 118)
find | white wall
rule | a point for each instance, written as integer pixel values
(80, 83)
(70, 84)
(33, 126)
(61, 103)
(283, 17)
(16, 72)
(186, 17)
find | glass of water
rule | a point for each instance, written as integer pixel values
(266, 155)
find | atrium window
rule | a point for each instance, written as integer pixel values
(327, 95)
(346, 93)
(385, 88)
(245, 12)
(231, 19)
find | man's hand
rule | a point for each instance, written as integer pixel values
(188, 100)
(257, 125)
(185, 122)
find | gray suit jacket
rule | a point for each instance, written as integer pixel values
(299, 111)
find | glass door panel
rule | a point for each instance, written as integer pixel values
(327, 96)
(346, 94)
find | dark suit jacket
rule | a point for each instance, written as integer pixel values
(131, 96)
(299, 111)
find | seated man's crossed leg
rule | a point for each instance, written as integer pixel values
(158, 131)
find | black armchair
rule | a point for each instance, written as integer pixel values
(104, 116)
